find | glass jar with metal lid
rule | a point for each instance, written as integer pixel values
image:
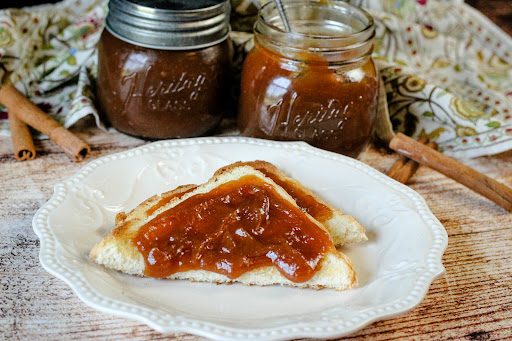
(317, 83)
(163, 66)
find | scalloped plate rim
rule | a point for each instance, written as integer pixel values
(217, 331)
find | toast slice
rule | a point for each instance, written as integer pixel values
(117, 250)
(342, 228)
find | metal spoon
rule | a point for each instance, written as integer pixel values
(282, 13)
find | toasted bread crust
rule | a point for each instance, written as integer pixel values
(148, 203)
(116, 251)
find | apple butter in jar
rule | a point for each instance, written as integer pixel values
(317, 83)
(163, 66)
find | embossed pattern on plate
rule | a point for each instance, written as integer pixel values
(395, 267)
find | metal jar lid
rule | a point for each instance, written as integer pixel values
(169, 24)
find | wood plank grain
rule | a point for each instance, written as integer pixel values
(59, 315)
(499, 11)
(470, 301)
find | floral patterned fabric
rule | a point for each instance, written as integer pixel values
(447, 70)
(448, 75)
(48, 52)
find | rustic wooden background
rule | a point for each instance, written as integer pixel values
(499, 11)
(472, 300)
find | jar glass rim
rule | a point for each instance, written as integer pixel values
(363, 34)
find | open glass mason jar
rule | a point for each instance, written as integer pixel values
(163, 66)
(317, 83)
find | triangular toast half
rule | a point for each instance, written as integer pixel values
(342, 228)
(118, 249)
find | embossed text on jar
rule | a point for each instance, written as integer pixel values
(316, 84)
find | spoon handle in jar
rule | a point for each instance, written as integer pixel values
(283, 15)
(478, 182)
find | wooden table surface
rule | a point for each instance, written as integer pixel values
(471, 301)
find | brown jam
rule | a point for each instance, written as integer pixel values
(328, 107)
(239, 226)
(305, 201)
(161, 93)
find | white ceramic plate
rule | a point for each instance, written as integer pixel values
(395, 267)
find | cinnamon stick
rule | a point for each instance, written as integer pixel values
(21, 139)
(396, 171)
(410, 167)
(478, 182)
(30, 114)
